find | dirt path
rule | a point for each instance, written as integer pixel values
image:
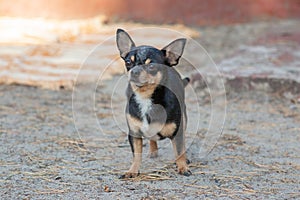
(42, 156)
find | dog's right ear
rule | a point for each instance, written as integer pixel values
(124, 42)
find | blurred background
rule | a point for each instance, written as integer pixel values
(190, 12)
(43, 42)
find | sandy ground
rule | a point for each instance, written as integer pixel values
(43, 157)
(56, 148)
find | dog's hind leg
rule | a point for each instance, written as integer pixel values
(153, 149)
(180, 153)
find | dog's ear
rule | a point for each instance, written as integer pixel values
(174, 51)
(124, 42)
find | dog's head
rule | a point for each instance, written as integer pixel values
(138, 55)
(146, 76)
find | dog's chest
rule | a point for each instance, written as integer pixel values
(145, 106)
(151, 121)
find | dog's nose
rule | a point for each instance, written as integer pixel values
(136, 71)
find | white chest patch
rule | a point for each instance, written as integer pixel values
(145, 106)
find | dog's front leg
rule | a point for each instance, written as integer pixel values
(136, 144)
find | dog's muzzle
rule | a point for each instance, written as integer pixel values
(138, 76)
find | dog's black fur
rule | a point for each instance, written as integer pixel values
(155, 93)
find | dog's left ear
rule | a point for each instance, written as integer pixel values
(174, 51)
(124, 42)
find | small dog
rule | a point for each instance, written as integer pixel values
(155, 94)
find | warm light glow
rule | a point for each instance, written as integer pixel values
(41, 31)
(49, 53)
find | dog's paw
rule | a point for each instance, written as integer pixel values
(153, 154)
(183, 169)
(185, 172)
(129, 175)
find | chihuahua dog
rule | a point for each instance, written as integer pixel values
(155, 94)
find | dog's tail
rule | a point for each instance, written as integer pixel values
(185, 81)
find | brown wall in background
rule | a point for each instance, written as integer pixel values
(191, 12)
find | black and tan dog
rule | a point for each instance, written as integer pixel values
(155, 93)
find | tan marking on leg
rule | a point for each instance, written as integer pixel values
(181, 160)
(165, 130)
(134, 123)
(168, 130)
(137, 159)
(153, 129)
(181, 164)
(153, 149)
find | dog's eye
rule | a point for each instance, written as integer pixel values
(151, 67)
(127, 62)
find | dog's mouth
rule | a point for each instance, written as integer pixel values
(139, 84)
